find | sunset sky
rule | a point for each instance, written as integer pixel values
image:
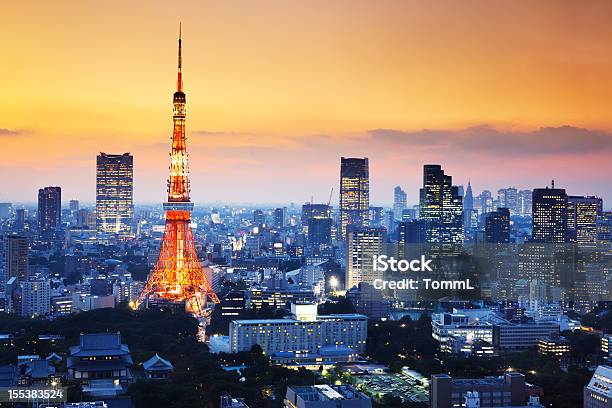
(500, 93)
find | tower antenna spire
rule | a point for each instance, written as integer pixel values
(179, 81)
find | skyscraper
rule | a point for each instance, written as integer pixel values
(604, 227)
(74, 206)
(399, 202)
(508, 198)
(468, 207)
(16, 250)
(410, 234)
(524, 202)
(354, 194)
(317, 224)
(259, 218)
(114, 193)
(21, 219)
(582, 214)
(497, 226)
(486, 205)
(441, 207)
(5, 210)
(279, 217)
(49, 209)
(311, 210)
(549, 215)
(319, 232)
(363, 245)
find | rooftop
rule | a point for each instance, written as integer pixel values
(100, 341)
(601, 382)
(325, 392)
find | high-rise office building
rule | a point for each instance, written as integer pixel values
(74, 206)
(311, 210)
(317, 225)
(259, 218)
(363, 245)
(582, 214)
(468, 206)
(115, 193)
(6, 210)
(524, 202)
(497, 226)
(441, 207)
(485, 202)
(410, 234)
(21, 219)
(604, 227)
(549, 215)
(15, 256)
(49, 209)
(279, 217)
(508, 198)
(86, 218)
(377, 217)
(354, 194)
(319, 232)
(399, 202)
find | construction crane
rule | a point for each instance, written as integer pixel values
(330, 196)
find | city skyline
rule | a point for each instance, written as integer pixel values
(522, 116)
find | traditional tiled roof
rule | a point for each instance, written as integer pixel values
(99, 344)
(40, 369)
(156, 363)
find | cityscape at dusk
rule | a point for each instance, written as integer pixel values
(271, 81)
(402, 204)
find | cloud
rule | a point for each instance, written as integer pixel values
(219, 133)
(9, 132)
(565, 140)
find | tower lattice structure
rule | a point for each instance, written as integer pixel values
(178, 275)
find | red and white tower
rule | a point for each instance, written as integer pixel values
(178, 275)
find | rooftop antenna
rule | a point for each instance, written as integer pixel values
(179, 82)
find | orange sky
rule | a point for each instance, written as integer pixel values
(263, 77)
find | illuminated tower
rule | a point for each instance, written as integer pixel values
(178, 275)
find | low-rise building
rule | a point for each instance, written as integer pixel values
(606, 346)
(598, 392)
(556, 346)
(510, 390)
(228, 402)
(304, 338)
(87, 301)
(513, 336)
(446, 326)
(325, 396)
(278, 298)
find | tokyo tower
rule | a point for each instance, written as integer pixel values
(177, 275)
